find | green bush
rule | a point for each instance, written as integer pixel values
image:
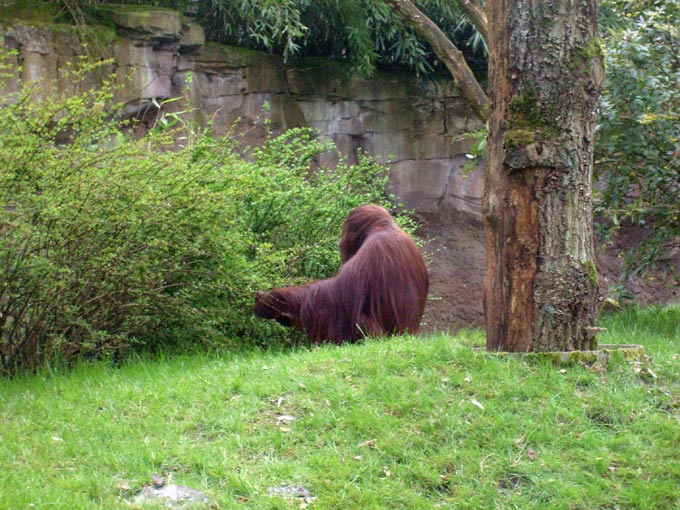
(638, 144)
(107, 242)
(364, 33)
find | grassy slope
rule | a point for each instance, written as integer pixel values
(390, 424)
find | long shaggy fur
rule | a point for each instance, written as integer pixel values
(380, 289)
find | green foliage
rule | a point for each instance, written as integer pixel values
(408, 423)
(638, 145)
(364, 32)
(107, 241)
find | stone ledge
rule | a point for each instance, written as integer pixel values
(141, 22)
(598, 358)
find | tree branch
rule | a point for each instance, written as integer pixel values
(447, 52)
(475, 11)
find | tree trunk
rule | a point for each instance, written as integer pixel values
(545, 69)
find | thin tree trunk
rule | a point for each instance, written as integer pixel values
(475, 11)
(448, 53)
(545, 71)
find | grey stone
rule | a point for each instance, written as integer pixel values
(146, 23)
(171, 495)
(193, 37)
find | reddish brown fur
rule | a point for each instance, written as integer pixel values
(380, 289)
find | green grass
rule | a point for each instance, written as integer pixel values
(386, 424)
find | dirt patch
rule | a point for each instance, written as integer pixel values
(455, 258)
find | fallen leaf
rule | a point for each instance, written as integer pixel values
(476, 403)
(370, 443)
(284, 418)
(532, 454)
(611, 302)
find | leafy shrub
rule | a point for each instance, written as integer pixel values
(638, 146)
(365, 33)
(108, 242)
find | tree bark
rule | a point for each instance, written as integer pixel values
(448, 53)
(475, 11)
(545, 72)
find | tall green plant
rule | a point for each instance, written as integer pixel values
(638, 145)
(364, 32)
(108, 242)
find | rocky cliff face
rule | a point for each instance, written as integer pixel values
(420, 127)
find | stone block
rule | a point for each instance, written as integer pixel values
(434, 87)
(318, 80)
(266, 77)
(420, 185)
(323, 111)
(42, 68)
(135, 54)
(429, 117)
(382, 116)
(382, 87)
(340, 80)
(460, 119)
(143, 83)
(390, 146)
(464, 192)
(145, 23)
(35, 40)
(227, 83)
(233, 105)
(432, 147)
(193, 37)
(214, 58)
(285, 112)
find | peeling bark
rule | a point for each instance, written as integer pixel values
(546, 72)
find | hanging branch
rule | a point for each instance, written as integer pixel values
(475, 11)
(448, 53)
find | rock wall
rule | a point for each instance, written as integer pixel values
(420, 127)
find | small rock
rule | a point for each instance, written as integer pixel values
(291, 491)
(170, 494)
(158, 480)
